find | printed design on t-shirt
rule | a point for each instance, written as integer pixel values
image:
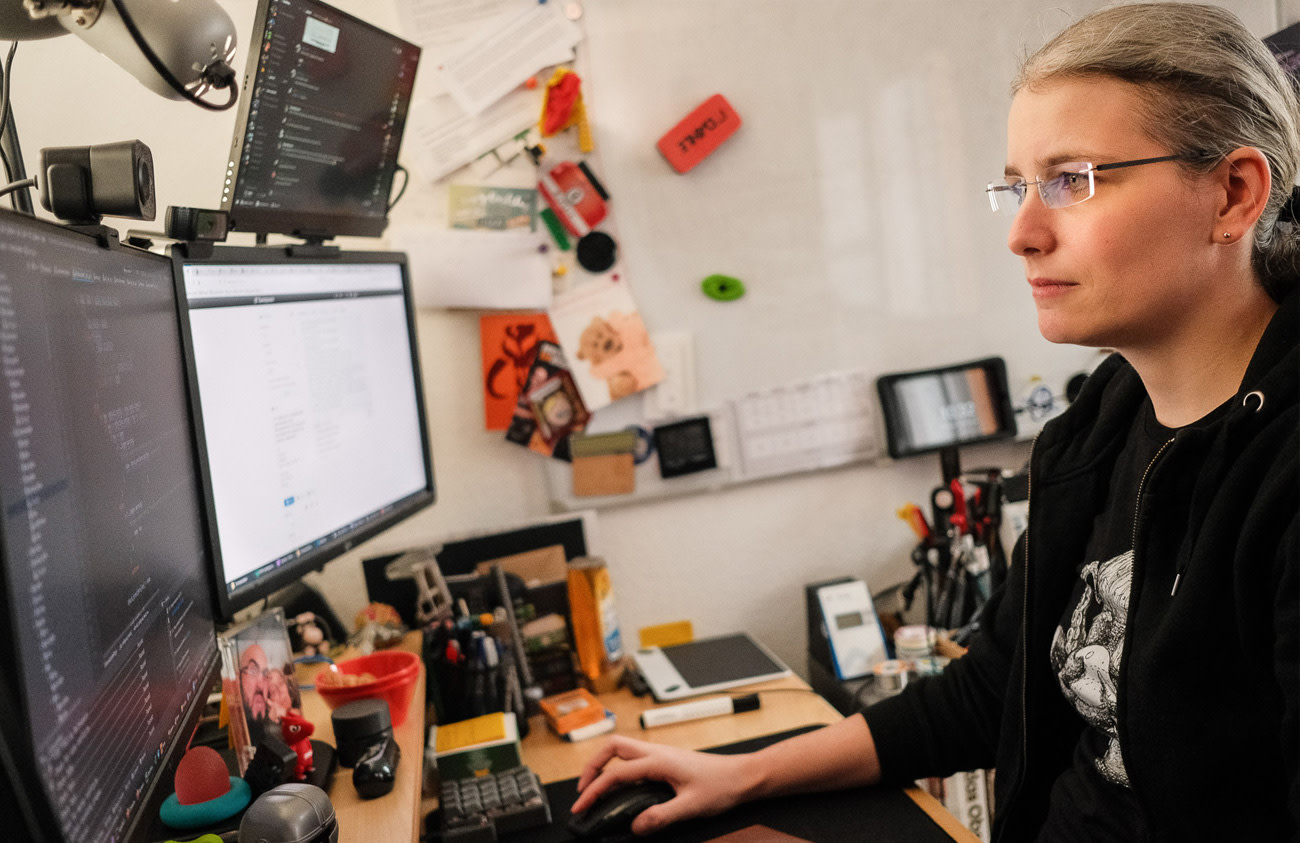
(1086, 656)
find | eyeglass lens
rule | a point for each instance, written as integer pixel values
(1059, 187)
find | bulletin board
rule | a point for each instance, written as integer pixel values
(850, 202)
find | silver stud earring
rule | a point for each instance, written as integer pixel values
(1227, 235)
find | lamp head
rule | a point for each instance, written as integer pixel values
(193, 40)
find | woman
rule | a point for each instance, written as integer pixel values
(1138, 676)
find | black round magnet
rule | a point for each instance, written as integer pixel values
(596, 251)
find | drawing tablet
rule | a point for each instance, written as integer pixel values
(706, 665)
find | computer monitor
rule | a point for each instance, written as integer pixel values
(107, 644)
(309, 405)
(320, 123)
(943, 408)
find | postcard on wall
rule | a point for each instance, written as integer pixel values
(550, 407)
(257, 680)
(472, 206)
(509, 347)
(609, 349)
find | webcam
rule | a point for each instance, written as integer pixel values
(81, 184)
(190, 224)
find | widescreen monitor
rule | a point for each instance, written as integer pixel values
(324, 105)
(107, 643)
(309, 405)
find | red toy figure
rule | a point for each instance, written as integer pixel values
(296, 731)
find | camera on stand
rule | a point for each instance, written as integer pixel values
(82, 184)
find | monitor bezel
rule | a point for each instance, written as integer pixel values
(25, 803)
(305, 223)
(996, 370)
(226, 604)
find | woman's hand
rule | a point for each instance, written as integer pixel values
(705, 783)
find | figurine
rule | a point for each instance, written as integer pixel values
(296, 731)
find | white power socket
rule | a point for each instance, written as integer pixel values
(675, 395)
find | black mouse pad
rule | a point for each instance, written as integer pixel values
(881, 815)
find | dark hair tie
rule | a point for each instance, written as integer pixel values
(1290, 212)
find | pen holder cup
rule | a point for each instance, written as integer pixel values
(388, 675)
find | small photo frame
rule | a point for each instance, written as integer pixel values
(257, 680)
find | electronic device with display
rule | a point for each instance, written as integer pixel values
(107, 645)
(320, 123)
(309, 407)
(706, 665)
(844, 632)
(941, 409)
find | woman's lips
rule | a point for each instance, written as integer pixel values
(1048, 287)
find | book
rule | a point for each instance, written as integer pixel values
(476, 747)
(591, 730)
(572, 710)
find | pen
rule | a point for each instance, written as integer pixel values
(697, 710)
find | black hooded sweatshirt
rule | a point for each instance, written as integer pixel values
(1209, 684)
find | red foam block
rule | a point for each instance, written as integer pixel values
(699, 133)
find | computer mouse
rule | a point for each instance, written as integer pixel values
(612, 813)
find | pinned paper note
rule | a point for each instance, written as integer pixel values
(489, 270)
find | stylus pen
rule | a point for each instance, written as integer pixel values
(697, 710)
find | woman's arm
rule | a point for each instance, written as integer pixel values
(838, 756)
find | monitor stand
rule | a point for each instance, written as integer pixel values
(949, 464)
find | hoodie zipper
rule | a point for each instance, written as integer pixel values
(1137, 509)
(1024, 630)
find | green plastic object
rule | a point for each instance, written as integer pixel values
(554, 226)
(723, 287)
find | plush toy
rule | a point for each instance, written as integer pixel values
(619, 352)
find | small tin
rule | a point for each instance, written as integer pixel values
(359, 725)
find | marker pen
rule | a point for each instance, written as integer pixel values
(697, 710)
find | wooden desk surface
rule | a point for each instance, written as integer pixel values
(397, 815)
(785, 704)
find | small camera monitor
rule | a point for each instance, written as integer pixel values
(325, 102)
(931, 410)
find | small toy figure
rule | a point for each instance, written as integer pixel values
(296, 731)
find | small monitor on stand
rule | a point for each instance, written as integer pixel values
(326, 96)
(942, 409)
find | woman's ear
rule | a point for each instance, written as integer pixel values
(1245, 180)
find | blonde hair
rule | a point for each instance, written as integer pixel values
(1212, 87)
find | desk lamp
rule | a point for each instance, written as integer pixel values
(176, 50)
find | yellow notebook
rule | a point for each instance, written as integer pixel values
(477, 730)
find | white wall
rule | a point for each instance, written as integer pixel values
(735, 559)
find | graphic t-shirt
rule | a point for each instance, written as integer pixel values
(1092, 800)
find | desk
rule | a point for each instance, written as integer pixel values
(789, 704)
(395, 816)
